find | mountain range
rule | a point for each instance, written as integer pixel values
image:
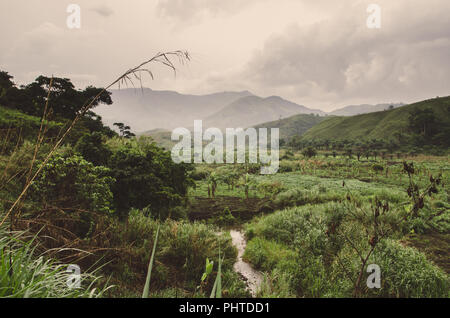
(147, 109)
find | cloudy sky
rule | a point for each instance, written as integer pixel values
(319, 53)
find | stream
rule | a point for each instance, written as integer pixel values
(253, 277)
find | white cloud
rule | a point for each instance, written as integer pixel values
(317, 53)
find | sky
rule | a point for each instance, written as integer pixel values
(317, 53)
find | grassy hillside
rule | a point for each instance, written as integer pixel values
(15, 126)
(353, 110)
(161, 137)
(17, 119)
(380, 125)
(295, 125)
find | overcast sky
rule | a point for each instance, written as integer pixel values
(319, 53)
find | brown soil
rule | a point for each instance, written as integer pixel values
(435, 246)
(243, 209)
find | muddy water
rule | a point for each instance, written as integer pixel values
(252, 277)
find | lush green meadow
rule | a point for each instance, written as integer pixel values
(290, 244)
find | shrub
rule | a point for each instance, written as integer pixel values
(407, 273)
(92, 148)
(180, 256)
(199, 175)
(309, 152)
(70, 182)
(146, 177)
(265, 255)
(225, 218)
(377, 168)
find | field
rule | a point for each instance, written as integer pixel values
(340, 218)
(286, 217)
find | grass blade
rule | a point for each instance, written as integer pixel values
(150, 266)
(219, 279)
(217, 288)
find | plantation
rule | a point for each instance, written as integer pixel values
(73, 191)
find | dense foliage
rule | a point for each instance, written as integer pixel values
(146, 177)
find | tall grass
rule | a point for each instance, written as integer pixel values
(24, 273)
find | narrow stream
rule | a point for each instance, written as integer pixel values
(253, 277)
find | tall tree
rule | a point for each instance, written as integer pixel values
(423, 122)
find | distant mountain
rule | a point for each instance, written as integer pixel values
(149, 109)
(380, 125)
(294, 125)
(363, 109)
(252, 110)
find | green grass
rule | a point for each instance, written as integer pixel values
(300, 259)
(179, 260)
(24, 273)
(379, 125)
(29, 125)
(294, 125)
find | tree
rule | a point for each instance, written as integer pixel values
(349, 152)
(124, 130)
(92, 148)
(146, 177)
(5, 81)
(65, 101)
(309, 152)
(423, 122)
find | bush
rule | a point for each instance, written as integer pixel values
(299, 272)
(309, 152)
(180, 256)
(146, 177)
(225, 218)
(70, 182)
(407, 273)
(265, 255)
(288, 166)
(91, 147)
(199, 175)
(377, 168)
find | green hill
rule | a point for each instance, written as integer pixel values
(14, 123)
(384, 125)
(162, 137)
(294, 125)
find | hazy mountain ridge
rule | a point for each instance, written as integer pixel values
(352, 110)
(145, 110)
(253, 110)
(148, 109)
